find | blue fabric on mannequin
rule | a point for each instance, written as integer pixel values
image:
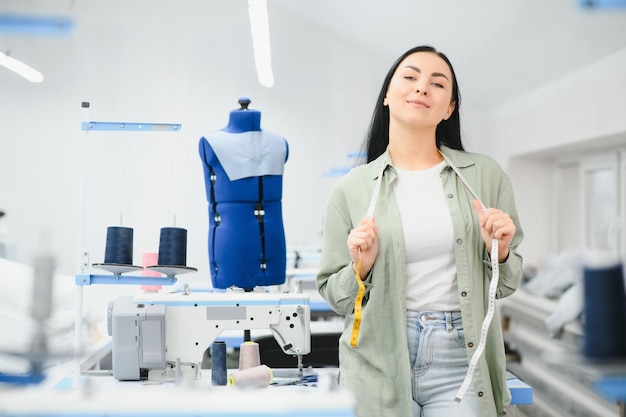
(243, 120)
(246, 234)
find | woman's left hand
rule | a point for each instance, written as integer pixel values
(496, 224)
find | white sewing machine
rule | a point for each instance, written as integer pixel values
(158, 331)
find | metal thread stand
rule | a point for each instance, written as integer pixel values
(117, 276)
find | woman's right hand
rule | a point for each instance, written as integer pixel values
(363, 239)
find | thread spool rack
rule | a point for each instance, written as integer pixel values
(117, 273)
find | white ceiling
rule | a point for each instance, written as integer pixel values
(500, 48)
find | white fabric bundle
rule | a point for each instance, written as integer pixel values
(17, 325)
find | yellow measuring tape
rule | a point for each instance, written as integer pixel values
(358, 302)
(358, 307)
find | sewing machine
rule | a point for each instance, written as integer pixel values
(152, 332)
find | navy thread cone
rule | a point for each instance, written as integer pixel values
(173, 246)
(604, 312)
(218, 363)
(119, 246)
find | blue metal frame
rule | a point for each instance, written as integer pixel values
(91, 279)
(131, 126)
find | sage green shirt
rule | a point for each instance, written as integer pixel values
(377, 371)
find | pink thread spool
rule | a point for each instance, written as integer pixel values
(258, 377)
(150, 259)
(249, 356)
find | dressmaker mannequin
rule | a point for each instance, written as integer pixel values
(243, 168)
(243, 119)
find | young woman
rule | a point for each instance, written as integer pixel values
(406, 256)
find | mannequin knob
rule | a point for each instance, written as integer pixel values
(244, 102)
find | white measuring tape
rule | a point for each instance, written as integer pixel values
(492, 286)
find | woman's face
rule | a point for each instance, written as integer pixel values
(420, 91)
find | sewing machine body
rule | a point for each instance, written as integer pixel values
(153, 331)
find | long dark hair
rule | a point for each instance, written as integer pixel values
(448, 131)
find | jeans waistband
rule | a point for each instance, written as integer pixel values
(435, 318)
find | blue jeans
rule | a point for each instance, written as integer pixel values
(438, 364)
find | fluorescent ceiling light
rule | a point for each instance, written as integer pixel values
(601, 4)
(20, 68)
(259, 25)
(35, 25)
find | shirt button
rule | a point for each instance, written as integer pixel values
(464, 294)
(470, 344)
(459, 241)
(450, 195)
(480, 393)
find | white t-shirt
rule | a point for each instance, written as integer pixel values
(428, 239)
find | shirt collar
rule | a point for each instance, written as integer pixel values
(460, 159)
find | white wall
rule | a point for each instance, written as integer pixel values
(137, 66)
(154, 72)
(584, 109)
